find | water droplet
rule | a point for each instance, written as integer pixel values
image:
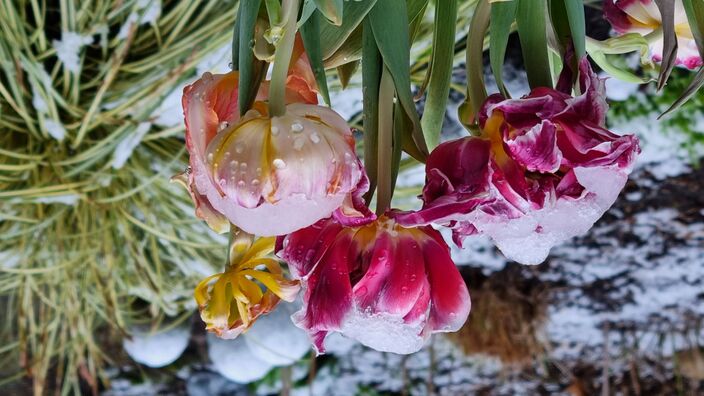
(223, 125)
(210, 158)
(255, 183)
(207, 76)
(279, 163)
(296, 127)
(243, 166)
(233, 164)
(240, 184)
(298, 143)
(404, 289)
(239, 148)
(230, 65)
(259, 171)
(274, 130)
(315, 138)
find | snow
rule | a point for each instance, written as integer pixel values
(147, 11)
(65, 199)
(619, 90)
(274, 339)
(157, 348)
(383, 331)
(68, 49)
(10, 259)
(55, 129)
(124, 149)
(347, 103)
(234, 360)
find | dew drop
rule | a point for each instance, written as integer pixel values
(279, 163)
(255, 183)
(315, 138)
(274, 130)
(233, 164)
(243, 166)
(223, 125)
(259, 171)
(210, 158)
(239, 148)
(240, 184)
(296, 127)
(230, 65)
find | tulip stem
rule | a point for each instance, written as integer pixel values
(384, 191)
(282, 58)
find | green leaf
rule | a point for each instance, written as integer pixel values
(346, 71)
(389, 22)
(695, 16)
(502, 16)
(371, 77)
(331, 9)
(236, 44)
(385, 147)
(440, 71)
(575, 16)
(306, 11)
(310, 33)
(669, 51)
(694, 86)
(250, 69)
(530, 18)
(332, 37)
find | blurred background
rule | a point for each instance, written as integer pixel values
(99, 253)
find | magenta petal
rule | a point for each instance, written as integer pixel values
(371, 285)
(536, 149)
(328, 292)
(450, 303)
(303, 249)
(404, 282)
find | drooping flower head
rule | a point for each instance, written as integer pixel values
(230, 302)
(267, 175)
(384, 285)
(643, 16)
(543, 170)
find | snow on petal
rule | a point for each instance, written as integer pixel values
(375, 283)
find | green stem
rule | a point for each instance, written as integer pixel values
(474, 53)
(386, 124)
(273, 8)
(277, 92)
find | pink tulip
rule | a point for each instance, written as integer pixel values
(543, 170)
(643, 16)
(268, 175)
(384, 285)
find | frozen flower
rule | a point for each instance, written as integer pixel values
(543, 170)
(643, 16)
(272, 175)
(384, 285)
(251, 286)
(210, 106)
(268, 175)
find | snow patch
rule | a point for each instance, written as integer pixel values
(66, 199)
(157, 349)
(68, 49)
(55, 129)
(124, 149)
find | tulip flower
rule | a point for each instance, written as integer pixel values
(267, 175)
(643, 17)
(543, 170)
(384, 285)
(252, 285)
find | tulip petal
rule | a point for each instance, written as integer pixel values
(536, 149)
(449, 298)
